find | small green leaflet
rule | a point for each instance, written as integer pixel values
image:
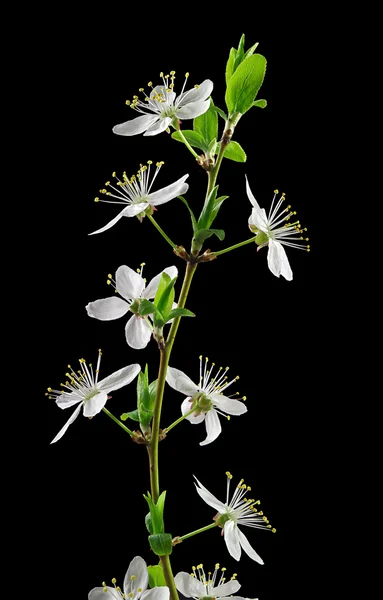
(234, 151)
(245, 84)
(203, 234)
(193, 138)
(206, 125)
(260, 103)
(156, 576)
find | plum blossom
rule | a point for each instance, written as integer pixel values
(275, 231)
(161, 107)
(131, 286)
(206, 397)
(239, 511)
(83, 388)
(136, 196)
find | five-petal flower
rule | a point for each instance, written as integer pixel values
(136, 196)
(206, 398)
(84, 389)
(239, 511)
(196, 585)
(162, 106)
(135, 586)
(132, 287)
(275, 231)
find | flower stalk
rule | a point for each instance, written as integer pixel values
(166, 237)
(189, 535)
(107, 412)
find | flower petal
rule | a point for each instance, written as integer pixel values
(194, 95)
(258, 215)
(226, 589)
(230, 531)
(137, 332)
(68, 399)
(129, 283)
(179, 381)
(107, 309)
(193, 109)
(158, 127)
(228, 405)
(169, 192)
(139, 569)
(247, 548)
(69, 422)
(110, 224)
(135, 126)
(151, 289)
(117, 380)
(156, 593)
(95, 404)
(189, 586)
(209, 498)
(213, 427)
(99, 594)
(135, 209)
(277, 260)
(185, 407)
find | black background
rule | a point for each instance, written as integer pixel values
(87, 508)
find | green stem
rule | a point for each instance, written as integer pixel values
(167, 429)
(167, 569)
(235, 246)
(188, 535)
(167, 238)
(165, 352)
(106, 411)
(187, 144)
(213, 173)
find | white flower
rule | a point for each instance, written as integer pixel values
(239, 511)
(135, 586)
(136, 196)
(131, 286)
(196, 585)
(273, 234)
(85, 390)
(204, 396)
(163, 106)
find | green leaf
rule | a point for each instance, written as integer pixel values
(156, 514)
(217, 205)
(142, 387)
(179, 312)
(251, 50)
(148, 523)
(164, 282)
(195, 139)
(156, 576)
(165, 301)
(146, 308)
(203, 234)
(130, 415)
(219, 111)
(230, 65)
(206, 125)
(240, 53)
(161, 503)
(193, 219)
(234, 151)
(245, 84)
(260, 103)
(152, 393)
(205, 219)
(161, 544)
